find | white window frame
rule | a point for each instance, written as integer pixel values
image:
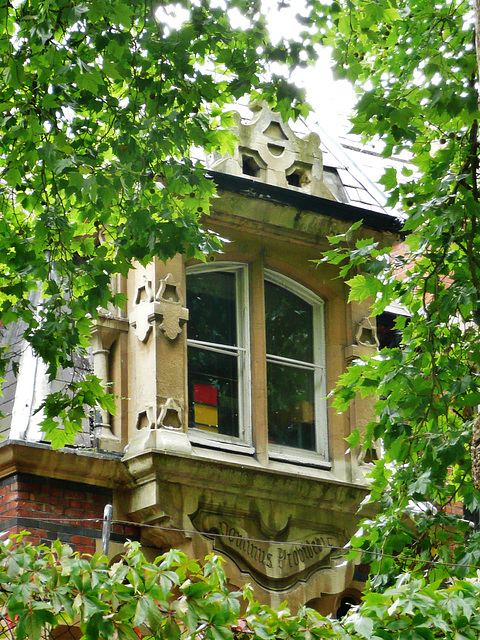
(319, 457)
(242, 443)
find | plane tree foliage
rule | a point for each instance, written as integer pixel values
(414, 65)
(102, 106)
(45, 591)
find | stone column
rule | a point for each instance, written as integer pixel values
(104, 333)
(158, 358)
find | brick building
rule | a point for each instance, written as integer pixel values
(223, 437)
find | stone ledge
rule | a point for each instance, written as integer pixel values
(227, 477)
(87, 467)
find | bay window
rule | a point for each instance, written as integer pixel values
(219, 385)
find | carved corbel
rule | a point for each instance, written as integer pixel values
(170, 416)
(140, 319)
(170, 307)
(167, 415)
(366, 334)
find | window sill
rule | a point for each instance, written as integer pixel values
(225, 443)
(226, 455)
(289, 455)
(280, 460)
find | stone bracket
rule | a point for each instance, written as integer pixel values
(366, 333)
(167, 414)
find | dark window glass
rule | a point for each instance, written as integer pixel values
(212, 308)
(290, 386)
(212, 375)
(289, 324)
(291, 411)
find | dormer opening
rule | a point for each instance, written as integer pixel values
(299, 176)
(250, 166)
(294, 179)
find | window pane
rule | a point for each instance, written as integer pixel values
(291, 406)
(289, 324)
(211, 303)
(213, 391)
(213, 377)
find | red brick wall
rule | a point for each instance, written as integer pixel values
(53, 509)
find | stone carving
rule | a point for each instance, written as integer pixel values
(366, 334)
(162, 534)
(174, 314)
(165, 307)
(170, 415)
(143, 307)
(275, 559)
(145, 418)
(270, 151)
(167, 415)
(144, 291)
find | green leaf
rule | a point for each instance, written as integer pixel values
(361, 288)
(363, 626)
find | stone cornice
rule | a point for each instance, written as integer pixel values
(243, 480)
(252, 188)
(75, 465)
(274, 219)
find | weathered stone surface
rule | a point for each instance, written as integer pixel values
(269, 151)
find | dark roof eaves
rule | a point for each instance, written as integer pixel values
(248, 187)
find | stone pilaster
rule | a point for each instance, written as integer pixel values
(364, 345)
(158, 356)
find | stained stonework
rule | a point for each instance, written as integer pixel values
(269, 151)
(282, 533)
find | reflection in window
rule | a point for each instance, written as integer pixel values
(291, 371)
(214, 353)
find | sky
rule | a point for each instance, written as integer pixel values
(331, 99)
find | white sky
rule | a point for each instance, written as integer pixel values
(332, 99)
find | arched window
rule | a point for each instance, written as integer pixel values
(295, 365)
(218, 351)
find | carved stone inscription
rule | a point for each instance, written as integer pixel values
(278, 560)
(275, 559)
